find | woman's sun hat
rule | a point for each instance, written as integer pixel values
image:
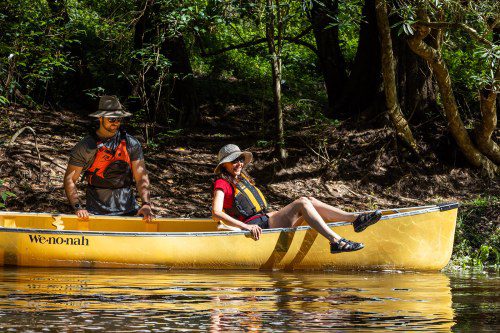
(229, 153)
(109, 106)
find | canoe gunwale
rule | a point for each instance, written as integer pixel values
(424, 210)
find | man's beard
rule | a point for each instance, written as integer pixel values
(111, 129)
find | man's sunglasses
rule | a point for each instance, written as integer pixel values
(240, 159)
(114, 119)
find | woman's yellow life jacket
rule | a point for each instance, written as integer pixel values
(248, 200)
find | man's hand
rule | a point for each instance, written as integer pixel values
(146, 212)
(82, 214)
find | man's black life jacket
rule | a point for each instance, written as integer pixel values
(111, 168)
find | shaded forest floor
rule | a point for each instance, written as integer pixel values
(352, 169)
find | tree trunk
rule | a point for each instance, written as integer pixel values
(488, 105)
(363, 93)
(81, 79)
(280, 129)
(143, 27)
(389, 77)
(183, 96)
(180, 94)
(330, 55)
(275, 47)
(457, 128)
(141, 91)
(416, 87)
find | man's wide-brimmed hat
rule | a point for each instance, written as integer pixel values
(229, 153)
(109, 106)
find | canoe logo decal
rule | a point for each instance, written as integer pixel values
(78, 241)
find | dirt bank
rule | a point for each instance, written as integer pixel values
(353, 169)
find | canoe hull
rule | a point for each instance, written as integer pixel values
(415, 241)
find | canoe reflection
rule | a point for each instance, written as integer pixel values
(234, 300)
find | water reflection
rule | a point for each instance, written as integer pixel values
(476, 301)
(152, 301)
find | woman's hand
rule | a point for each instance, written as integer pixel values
(255, 230)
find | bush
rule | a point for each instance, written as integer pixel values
(477, 237)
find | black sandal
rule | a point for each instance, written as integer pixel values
(365, 220)
(344, 245)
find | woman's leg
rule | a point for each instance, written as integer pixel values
(330, 213)
(302, 208)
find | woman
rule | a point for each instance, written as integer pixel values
(237, 202)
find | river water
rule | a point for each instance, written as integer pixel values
(77, 300)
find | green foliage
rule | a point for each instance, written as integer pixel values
(471, 63)
(486, 254)
(349, 20)
(32, 51)
(477, 237)
(90, 48)
(177, 133)
(4, 101)
(309, 112)
(4, 195)
(486, 257)
(264, 143)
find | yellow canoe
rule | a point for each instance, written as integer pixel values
(416, 238)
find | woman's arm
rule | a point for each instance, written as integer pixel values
(219, 214)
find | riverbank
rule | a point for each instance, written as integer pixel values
(477, 238)
(350, 168)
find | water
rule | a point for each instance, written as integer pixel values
(77, 300)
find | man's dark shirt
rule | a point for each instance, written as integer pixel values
(103, 201)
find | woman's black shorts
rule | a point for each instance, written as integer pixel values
(262, 221)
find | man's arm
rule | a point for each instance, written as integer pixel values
(70, 178)
(142, 182)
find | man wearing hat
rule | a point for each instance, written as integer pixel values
(110, 160)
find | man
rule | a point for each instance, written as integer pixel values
(111, 160)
